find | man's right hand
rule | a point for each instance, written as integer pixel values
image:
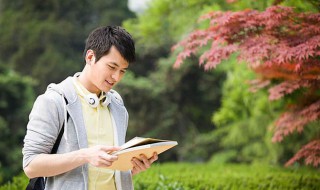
(99, 156)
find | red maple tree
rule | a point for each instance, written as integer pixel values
(283, 47)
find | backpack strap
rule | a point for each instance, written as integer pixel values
(57, 143)
(39, 183)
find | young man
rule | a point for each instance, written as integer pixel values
(96, 125)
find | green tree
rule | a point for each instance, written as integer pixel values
(161, 26)
(16, 94)
(171, 105)
(244, 120)
(46, 39)
(43, 40)
(172, 100)
(229, 32)
(164, 102)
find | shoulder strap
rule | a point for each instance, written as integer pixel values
(57, 143)
(39, 182)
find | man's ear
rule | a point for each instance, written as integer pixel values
(90, 57)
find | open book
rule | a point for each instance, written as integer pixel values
(137, 146)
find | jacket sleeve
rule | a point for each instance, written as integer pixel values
(43, 126)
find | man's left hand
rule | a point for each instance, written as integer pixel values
(142, 163)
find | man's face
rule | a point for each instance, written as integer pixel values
(107, 72)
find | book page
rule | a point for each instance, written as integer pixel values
(137, 141)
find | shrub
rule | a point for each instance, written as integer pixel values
(196, 176)
(18, 183)
(186, 176)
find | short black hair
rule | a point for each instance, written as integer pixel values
(103, 38)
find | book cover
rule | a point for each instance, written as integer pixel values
(137, 146)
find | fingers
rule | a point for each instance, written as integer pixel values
(104, 160)
(108, 157)
(145, 162)
(134, 171)
(110, 148)
(154, 157)
(142, 163)
(100, 156)
(139, 164)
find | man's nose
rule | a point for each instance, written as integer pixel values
(115, 76)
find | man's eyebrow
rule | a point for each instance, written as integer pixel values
(114, 63)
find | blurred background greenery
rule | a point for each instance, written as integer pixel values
(211, 114)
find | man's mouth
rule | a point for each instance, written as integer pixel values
(110, 83)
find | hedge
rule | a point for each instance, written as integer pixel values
(191, 176)
(186, 176)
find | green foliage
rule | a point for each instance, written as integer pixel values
(187, 176)
(46, 40)
(303, 5)
(168, 101)
(181, 100)
(184, 176)
(165, 21)
(243, 120)
(18, 182)
(162, 25)
(34, 47)
(261, 5)
(16, 96)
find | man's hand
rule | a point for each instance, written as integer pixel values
(142, 163)
(99, 156)
(54, 164)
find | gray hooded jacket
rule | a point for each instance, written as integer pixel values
(45, 121)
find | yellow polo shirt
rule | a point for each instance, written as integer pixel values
(99, 132)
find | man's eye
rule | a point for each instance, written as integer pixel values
(111, 67)
(123, 71)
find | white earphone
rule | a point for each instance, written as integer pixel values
(93, 100)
